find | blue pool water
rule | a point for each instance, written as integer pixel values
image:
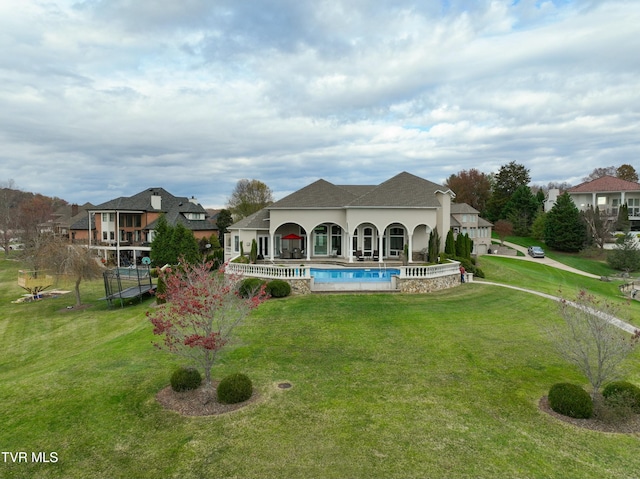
(353, 275)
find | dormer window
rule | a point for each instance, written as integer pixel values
(194, 216)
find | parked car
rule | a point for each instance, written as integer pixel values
(536, 252)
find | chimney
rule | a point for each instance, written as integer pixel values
(74, 210)
(193, 200)
(156, 201)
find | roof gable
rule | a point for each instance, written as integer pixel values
(402, 191)
(319, 194)
(605, 184)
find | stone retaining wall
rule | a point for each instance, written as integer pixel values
(428, 285)
(411, 286)
(300, 286)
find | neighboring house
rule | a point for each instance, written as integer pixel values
(466, 220)
(64, 218)
(324, 220)
(550, 199)
(608, 193)
(122, 229)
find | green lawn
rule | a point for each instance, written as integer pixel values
(438, 385)
(597, 266)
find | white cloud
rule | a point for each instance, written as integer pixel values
(102, 99)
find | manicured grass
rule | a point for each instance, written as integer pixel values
(438, 385)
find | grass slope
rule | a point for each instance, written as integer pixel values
(439, 385)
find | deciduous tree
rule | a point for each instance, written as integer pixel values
(471, 187)
(627, 172)
(248, 197)
(600, 172)
(589, 339)
(599, 225)
(76, 262)
(9, 213)
(201, 312)
(503, 228)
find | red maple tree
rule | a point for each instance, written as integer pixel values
(201, 311)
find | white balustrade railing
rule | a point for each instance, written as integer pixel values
(269, 271)
(303, 272)
(432, 271)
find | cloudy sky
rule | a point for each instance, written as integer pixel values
(104, 98)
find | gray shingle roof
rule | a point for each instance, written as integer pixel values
(174, 208)
(462, 208)
(257, 221)
(402, 191)
(319, 194)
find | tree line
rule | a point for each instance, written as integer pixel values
(516, 208)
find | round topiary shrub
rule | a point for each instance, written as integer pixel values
(624, 392)
(278, 288)
(250, 286)
(235, 388)
(185, 379)
(570, 400)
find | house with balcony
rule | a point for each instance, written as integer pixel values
(608, 193)
(353, 223)
(122, 229)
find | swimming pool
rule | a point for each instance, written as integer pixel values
(353, 275)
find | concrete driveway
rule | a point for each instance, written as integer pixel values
(545, 260)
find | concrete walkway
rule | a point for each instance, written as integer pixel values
(629, 328)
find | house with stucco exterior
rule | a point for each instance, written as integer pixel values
(356, 222)
(608, 193)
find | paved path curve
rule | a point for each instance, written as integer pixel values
(629, 328)
(555, 264)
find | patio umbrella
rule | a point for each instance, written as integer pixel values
(290, 237)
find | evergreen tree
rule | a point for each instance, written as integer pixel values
(450, 244)
(434, 246)
(223, 221)
(623, 218)
(537, 227)
(506, 182)
(184, 244)
(521, 210)
(253, 254)
(460, 246)
(564, 229)
(625, 256)
(540, 198)
(468, 246)
(160, 246)
(169, 243)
